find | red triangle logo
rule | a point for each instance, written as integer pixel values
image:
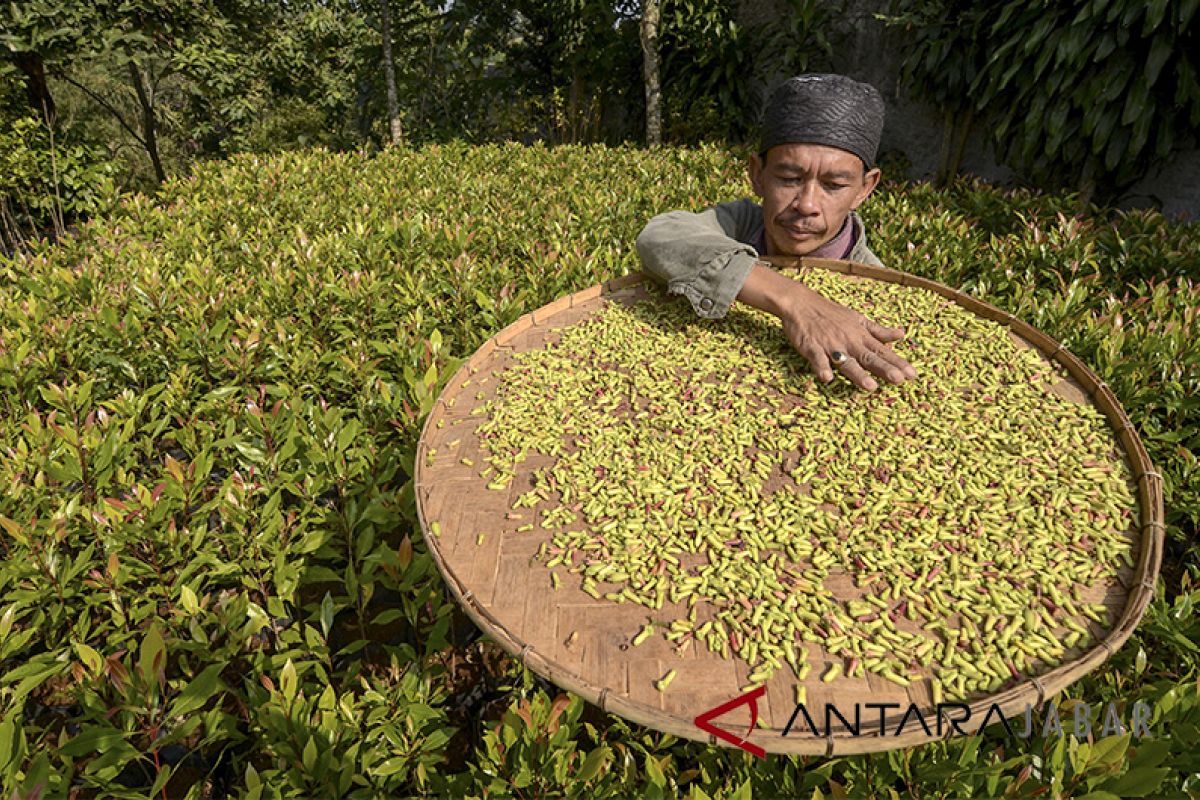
(704, 721)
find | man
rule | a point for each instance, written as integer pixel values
(815, 166)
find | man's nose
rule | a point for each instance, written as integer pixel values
(805, 201)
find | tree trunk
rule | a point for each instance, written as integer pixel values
(575, 121)
(36, 89)
(960, 144)
(955, 130)
(649, 36)
(145, 95)
(943, 167)
(389, 74)
(1087, 186)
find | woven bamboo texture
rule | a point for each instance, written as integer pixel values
(582, 644)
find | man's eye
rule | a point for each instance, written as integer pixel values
(836, 187)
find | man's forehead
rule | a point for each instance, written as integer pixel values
(825, 160)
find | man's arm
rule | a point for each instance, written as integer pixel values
(705, 257)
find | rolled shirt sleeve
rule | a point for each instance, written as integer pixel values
(704, 256)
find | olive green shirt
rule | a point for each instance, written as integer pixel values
(706, 257)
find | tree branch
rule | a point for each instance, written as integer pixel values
(104, 104)
(139, 78)
(415, 21)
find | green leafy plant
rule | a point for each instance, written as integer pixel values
(46, 185)
(212, 582)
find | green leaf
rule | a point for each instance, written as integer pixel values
(14, 530)
(1187, 10)
(8, 735)
(33, 674)
(1138, 782)
(161, 778)
(1135, 104)
(969, 750)
(1156, 11)
(90, 658)
(1110, 749)
(288, 682)
(1116, 151)
(253, 454)
(327, 614)
(93, 740)
(37, 776)
(1160, 51)
(654, 772)
(1058, 754)
(199, 691)
(386, 617)
(6, 622)
(391, 766)
(308, 758)
(152, 656)
(188, 599)
(744, 792)
(1150, 753)
(347, 435)
(593, 763)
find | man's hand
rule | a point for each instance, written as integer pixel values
(818, 327)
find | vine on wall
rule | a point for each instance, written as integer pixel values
(1083, 93)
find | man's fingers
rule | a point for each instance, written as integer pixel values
(818, 360)
(884, 333)
(886, 363)
(820, 365)
(824, 327)
(855, 373)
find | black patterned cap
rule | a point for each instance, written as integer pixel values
(825, 109)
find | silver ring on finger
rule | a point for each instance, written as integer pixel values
(838, 358)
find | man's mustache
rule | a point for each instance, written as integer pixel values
(800, 228)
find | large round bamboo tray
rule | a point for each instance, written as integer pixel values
(506, 592)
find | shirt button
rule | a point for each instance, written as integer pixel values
(706, 304)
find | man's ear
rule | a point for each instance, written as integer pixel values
(870, 181)
(755, 169)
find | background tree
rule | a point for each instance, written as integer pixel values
(943, 39)
(717, 69)
(147, 51)
(39, 35)
(389, 72)
(317, 73)
(573, 64)
(649, 36)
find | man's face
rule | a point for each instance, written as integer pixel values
(807, 191)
